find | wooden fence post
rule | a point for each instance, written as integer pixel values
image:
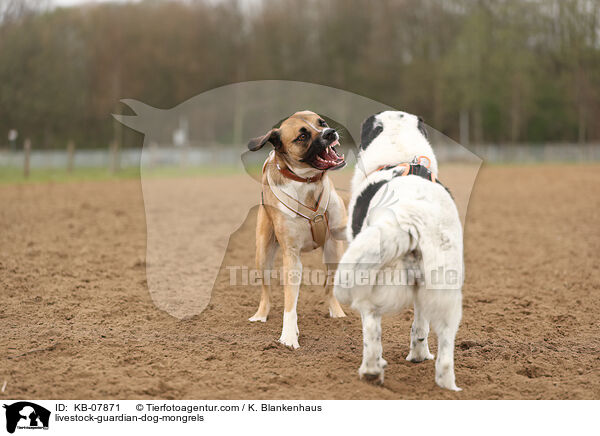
(26, 155)
(112, 157)
(70, 156)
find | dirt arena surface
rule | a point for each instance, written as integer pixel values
(78, 322)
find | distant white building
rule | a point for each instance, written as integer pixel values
(181, 134)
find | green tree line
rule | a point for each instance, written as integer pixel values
(511, 70)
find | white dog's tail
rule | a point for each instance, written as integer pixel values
(371, 250)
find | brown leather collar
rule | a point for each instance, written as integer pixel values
(286, 172)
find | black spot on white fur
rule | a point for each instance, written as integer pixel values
(371, 128)
(361, 208)
(362, 205)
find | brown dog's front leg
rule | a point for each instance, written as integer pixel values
(332, 251)
(292, 275)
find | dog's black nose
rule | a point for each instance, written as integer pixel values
(329, 134)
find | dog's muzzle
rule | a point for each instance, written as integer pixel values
(327, 156)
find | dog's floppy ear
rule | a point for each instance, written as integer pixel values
(271, 136)
(370, 129)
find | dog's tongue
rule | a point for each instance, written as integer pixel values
(328, 158)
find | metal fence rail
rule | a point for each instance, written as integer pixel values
(228, 155)
(530, 153)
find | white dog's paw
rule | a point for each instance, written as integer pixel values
(447, 381)
(451, 387)
(256, 318)
(373, 373)
(416, 356)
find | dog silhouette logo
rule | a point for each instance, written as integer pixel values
(186, 243)
(26, 415)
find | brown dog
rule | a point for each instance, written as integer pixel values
(300, 210)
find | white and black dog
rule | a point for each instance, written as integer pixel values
(404, 230)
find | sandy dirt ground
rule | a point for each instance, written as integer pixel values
(78, 320)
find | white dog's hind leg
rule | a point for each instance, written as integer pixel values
(372, 248)
(372, 367)
(445, 325)
(419, 348)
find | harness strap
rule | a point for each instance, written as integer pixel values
(415, 168)
(317, 217)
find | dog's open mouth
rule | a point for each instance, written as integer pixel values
(329, 158)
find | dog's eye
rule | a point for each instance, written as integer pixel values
(302, 137)
(322, 123)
